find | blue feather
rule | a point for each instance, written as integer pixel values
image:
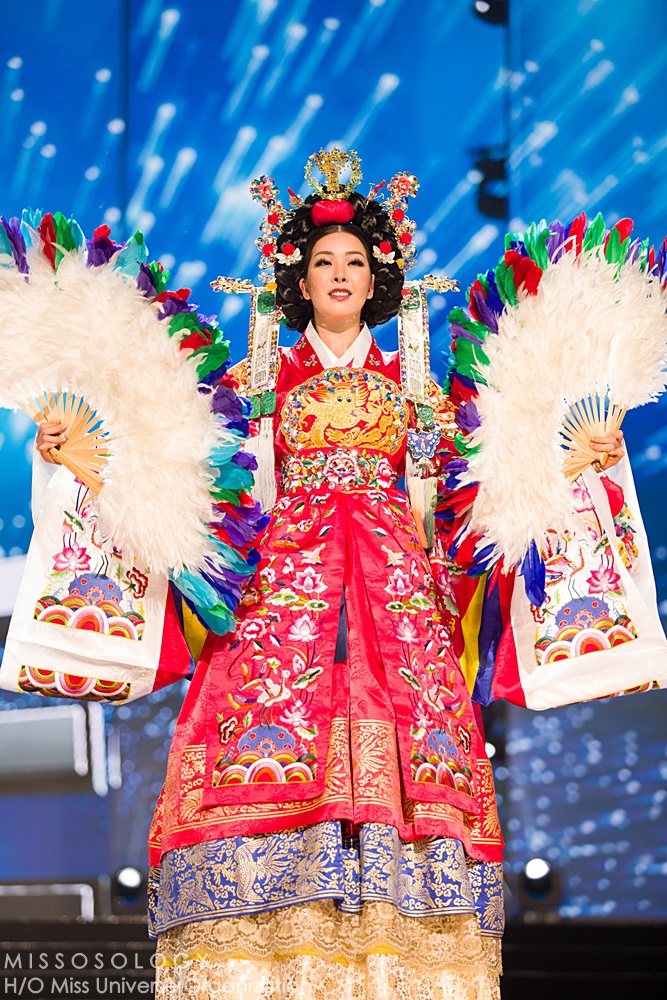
(534, 574)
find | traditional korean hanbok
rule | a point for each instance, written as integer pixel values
(328, 825)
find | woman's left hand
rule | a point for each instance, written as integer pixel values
(611, 446)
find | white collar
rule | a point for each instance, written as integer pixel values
(354, 356)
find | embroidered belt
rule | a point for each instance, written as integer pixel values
(340, 468)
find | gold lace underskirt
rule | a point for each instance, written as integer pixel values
(315, 952)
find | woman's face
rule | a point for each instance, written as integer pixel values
(339, 280)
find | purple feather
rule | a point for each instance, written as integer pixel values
(493, 299)
(236, 534)
(207, 320)
(633, 250)
(101, 249)
(486, 315)
(227, 403)
(243, 530)
(456, 465)
(15, 237)
(460, 331)
(228, 593)
(661, 262)
(467, 417)
(171, 306)
(145, 282)
(219, 576)
(245, 460)
(244, 526)
(555, 241)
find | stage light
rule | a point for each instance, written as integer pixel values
(538, 889)
(492, 11)
(128, 891)
(128, 882)
(490, 750)
(536, 869)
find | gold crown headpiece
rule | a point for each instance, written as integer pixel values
(334, 208)
(331, 164)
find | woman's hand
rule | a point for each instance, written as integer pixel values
(611, 450)
(49, 435)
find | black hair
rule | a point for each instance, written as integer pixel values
(372, 226)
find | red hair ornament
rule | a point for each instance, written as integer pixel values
(331, 213)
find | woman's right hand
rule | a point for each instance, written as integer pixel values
(49, 435)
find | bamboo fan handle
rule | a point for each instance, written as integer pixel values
(94, 483)
(39, 418)
(613, 422)
(588, 418)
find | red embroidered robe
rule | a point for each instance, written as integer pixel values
(274, 734)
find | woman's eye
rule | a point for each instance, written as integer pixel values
(321, 261)
(358, 261)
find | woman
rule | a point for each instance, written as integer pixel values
(328, 824)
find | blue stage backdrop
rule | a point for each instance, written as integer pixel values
(141, 114)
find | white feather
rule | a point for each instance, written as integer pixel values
(589, 329)
(91, 331)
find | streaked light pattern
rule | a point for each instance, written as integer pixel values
(215, 94)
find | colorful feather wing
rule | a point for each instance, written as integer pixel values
(564, 333)
(211, 584)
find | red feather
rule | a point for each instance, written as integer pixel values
(576, 230)
(47, 231)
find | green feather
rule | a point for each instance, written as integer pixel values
(501, 273)
(184, 321)
(64, 239)
(160, 278)
(512, 238)
(510, 288)
(540, 253)
(218, 619)
(613, 248)
(469, 358)
(210, 357)
(457, 315)
(642, 256)
(225, 495)
(464, 446)
(595, 233)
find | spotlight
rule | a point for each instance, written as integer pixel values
(128, 885)
(538, 888)
(492, 11)
(537, 869)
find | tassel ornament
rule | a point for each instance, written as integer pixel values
(264, 490)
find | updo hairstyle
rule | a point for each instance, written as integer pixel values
(372, 226)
